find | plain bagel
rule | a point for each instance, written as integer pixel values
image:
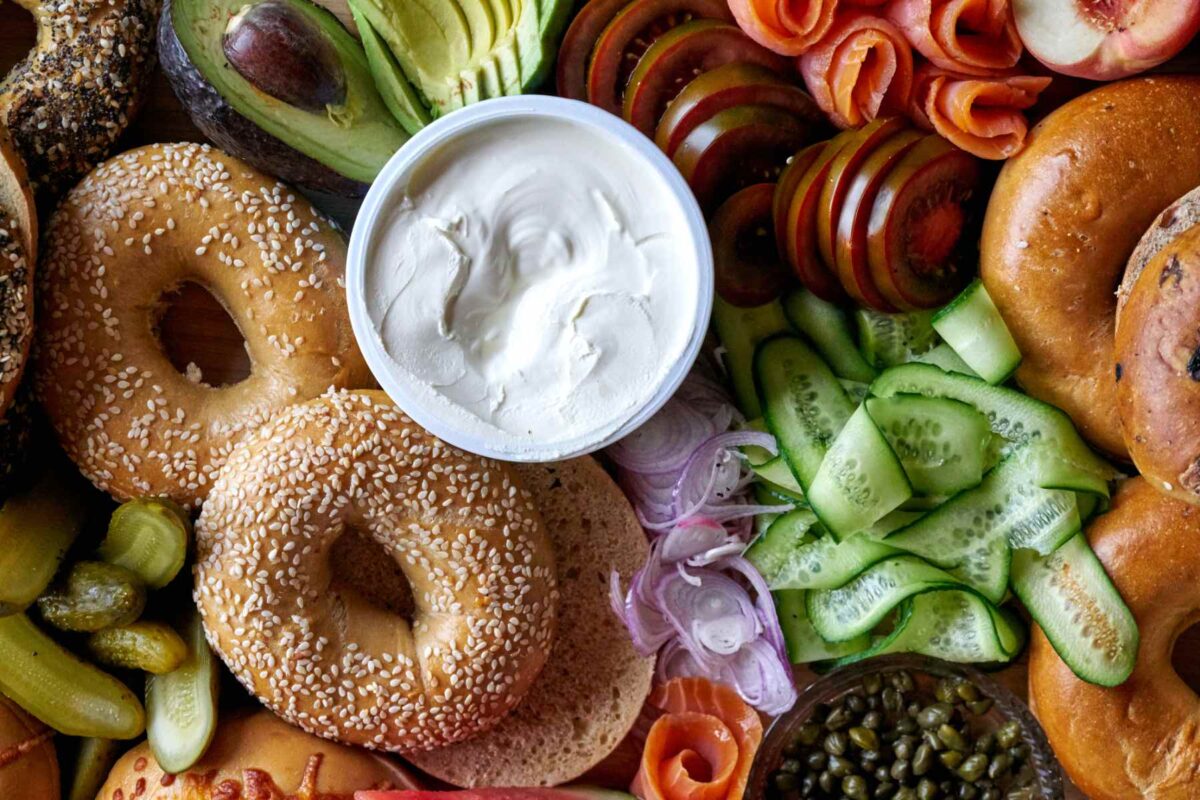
(71, 98)
(136, 228)
(1062, 221)
(256, 757)
(1140, 739)
(309, 643)
(1158, 368)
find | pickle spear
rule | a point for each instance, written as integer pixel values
(154, 647)
(92, 764)
(36, 529)
(93, 596)
(149, 537)
(181, 706)
(68, 694)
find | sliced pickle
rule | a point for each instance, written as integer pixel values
(148, 536)
(154, 647)
(92, 764)
(93, 596)
(181, 706)
(36, 529)
(68, 694)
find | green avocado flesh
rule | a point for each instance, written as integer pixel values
(458, 52)
(399, 95)
(355, 138)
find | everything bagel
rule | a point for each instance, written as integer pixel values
(1142, 738)
(313, 647)
(1062, 221)
(71, 98)
(139, 226)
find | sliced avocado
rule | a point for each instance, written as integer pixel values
(297, 74)
(456, 52)
(399, 95)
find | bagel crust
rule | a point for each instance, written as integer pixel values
(461, 528)
(1142, 738)
(135, 229)
(72, 97)
(1060, 226)
(1158, 361)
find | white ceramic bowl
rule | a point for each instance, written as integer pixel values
(393, 178)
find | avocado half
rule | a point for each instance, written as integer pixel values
(458, 52)
(312, 114)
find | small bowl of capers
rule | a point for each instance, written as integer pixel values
(906, 728)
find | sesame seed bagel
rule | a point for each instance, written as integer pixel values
(18, 254)
(71, 98)
(135, 229)
(311, 645)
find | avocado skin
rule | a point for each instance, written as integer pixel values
(232, 132)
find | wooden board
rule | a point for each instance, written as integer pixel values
(197, 329)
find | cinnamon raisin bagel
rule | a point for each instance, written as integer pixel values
(1158, 368)
(1060, 226)
(71, 98)
(135, 229)
(1140, 739)
(308, 641)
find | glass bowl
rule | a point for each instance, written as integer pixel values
(1041, 779)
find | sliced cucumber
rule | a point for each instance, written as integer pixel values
(860, 479)
(943, 356)
(740, 331)
(972, 325)
(1071, 597)
(829, 329)
(890, 339)
(826, 563)
(806, 407)
(757, 456)
(1017, 417)
(959, 626)
(804, 645)
(181, 706)
(942, 444)
(771, 551)
(856, 391)
(777, 473)
(839, 615)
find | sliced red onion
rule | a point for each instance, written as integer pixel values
(666, 441)
(712, 616)
(699, 542)
(761, 678)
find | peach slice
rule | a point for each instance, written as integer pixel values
(1105, 39)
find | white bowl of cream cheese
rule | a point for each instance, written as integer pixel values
(530, 278)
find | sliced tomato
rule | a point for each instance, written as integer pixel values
(680, 55)
(923, 225)
(786, 187)
(850, 247)
(800, 230)
(617, 48)
(749, 271)
(575, 52)
(730, 85)
(738, 147)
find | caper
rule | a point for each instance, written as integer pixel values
(967, 691)
(944, 691)
(930, 738)
(952, 738)
(973, 768)
(927, 790)
(991, 794)
(907, 725)
(785, 781)
(902, 681)
(854, 787)
(935, 715)
(873, 683)
(892, 700)
(825, 781)
(1000, 765)
(839, 767)
(922, 760)
(980, 707)
(808, 784)
(864, 738)
(838, 718)
(901, 771)
(881, 773)
(869, 757)
(1009, 733)
(835, 743)
(904, 747)
(808, 734)
(913, 709)
(791, 765)
(883, 790)
(856, 704)
(93, 596)
(905, 793)
(951, 758)
(967, 792)
(816, 760)
(985, 743)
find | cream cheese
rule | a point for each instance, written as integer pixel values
(533, 282)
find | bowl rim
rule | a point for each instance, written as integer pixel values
(427, 141)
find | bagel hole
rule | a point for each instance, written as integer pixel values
(199, 337)
(1183, 657)
(18, 35)
(361, 566)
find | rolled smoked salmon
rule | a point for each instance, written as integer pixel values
(788, 27)
(861, 69)
(972, 37)
(980, 115)
(702, 747)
